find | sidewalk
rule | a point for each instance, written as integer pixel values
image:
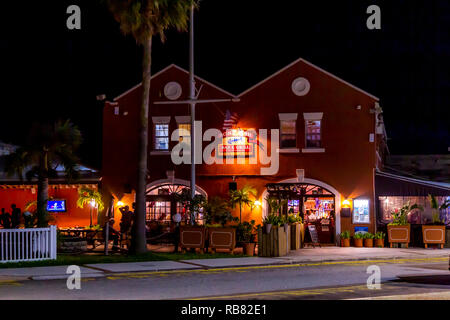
(303, 256)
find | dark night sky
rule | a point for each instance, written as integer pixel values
(48, 72)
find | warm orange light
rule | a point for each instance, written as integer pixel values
(346, 204)
(257, 203)
(120, 204)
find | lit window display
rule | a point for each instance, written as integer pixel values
(361, 211)
(390, 204)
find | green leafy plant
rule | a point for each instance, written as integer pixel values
(245, 232)
(379, 235)
(345, 235)
(292, 218)
(368, 235)
(436, 209)
(192, 205)
(400, 216)
(216, 211)
(273, 219)
(275, 204)
(242, 197)
(358, 236)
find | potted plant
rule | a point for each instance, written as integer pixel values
(434, 233)
(192, 236)
(399, 231)
(270, 221)
(368, 240)
(246, 236)
(379, 239)
(345, 239)
(296, 227)
(217, 216)
(358, 240)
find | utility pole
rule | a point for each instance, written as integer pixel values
(192, 97)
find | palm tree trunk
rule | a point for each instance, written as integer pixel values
(140, 241)
(240, 212)
(42, 193)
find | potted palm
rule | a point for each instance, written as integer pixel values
(368, 240)
(345, 239)
(434, 233)
(358, 240)
(399, 231)
(379, 239)
(246, 236)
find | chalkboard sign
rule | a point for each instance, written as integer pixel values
(314, 236)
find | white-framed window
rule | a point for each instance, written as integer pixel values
(288, 130)
(313, 131)
(161, 133)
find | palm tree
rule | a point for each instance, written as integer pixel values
(241, 197)
(144, 19)
(47, 147)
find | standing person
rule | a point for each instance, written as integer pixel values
(15, 216)
(126, 220)
(5, 219)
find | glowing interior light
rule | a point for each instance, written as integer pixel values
(346, 203)
(120, 204)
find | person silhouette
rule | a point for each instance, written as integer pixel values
(15, 216)
(5, 219)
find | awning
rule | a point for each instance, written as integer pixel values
(388, 184)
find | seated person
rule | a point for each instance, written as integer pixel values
(5, 219)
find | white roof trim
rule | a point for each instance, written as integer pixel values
(315, 67)
(181, 69)
(428, 183)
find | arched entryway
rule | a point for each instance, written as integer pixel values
(306, 190)
(162, 200)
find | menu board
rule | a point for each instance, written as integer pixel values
(313, 232)
(361, 211)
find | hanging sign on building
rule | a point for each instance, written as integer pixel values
(238, 143)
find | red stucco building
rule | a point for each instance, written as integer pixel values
(331, 141)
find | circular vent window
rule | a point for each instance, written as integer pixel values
(301, 86)
(172, 90)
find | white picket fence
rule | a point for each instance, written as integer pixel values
(34, 244)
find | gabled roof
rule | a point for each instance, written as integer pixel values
(183, 70)
(313, 66)
(256, 85)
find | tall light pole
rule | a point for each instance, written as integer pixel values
(192, 97)
(193, 101)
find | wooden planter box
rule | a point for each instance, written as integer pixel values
(275, 244)
(379, 243)
(222, 238)
(192, 238)
(359, 243)
(433, 235)
(296, 236)
(368, 243)
(399, 234)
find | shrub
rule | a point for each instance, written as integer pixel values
(368, 235)
(379, 235)
(358, 236)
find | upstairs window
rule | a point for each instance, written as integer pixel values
(184, 133)
(161, 142)
(288, 130)
(313, 134)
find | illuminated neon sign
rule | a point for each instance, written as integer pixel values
(237, 142)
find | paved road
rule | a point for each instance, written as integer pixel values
(316, 281)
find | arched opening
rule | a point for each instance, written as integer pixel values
(317, 202)
(162, 201)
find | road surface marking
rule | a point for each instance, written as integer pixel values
(139, 275)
